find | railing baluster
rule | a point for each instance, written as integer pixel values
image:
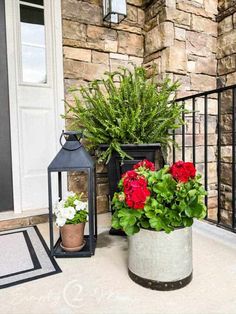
(206, 95)
(173, 146)
(183, 135)
(219, 157)
(233, 157)
(194, 130)
(210, 92)
(205, 147)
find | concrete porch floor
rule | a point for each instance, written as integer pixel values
(101, 284)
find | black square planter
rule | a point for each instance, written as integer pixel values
(117, 166)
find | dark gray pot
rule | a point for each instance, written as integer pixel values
(117, 166)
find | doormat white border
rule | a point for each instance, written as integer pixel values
(38, 250)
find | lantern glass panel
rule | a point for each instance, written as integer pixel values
(114, 10)
(118, 6)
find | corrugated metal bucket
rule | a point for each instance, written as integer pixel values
(161, 261)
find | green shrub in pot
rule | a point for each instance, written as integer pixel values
(126, 107)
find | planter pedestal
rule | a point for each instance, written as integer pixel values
(161, 261)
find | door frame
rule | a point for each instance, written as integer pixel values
(6, 193)
(13, 66)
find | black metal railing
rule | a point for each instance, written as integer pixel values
(220, 200)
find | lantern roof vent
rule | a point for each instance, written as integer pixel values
(72, 156)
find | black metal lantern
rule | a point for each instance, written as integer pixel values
(73, 157)
(114, 11)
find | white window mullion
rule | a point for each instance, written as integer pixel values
(33, 5)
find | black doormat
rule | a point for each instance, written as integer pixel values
(24, 256)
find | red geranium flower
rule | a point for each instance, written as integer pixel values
(135, 189)
(183, 171)
(145, 164)
(130, 174)
(136, 198)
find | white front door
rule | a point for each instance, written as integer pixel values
(36, 95)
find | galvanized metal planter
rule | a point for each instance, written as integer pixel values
(161, 261)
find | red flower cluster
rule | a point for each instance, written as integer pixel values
(135, 189)
(146, 164)
(183, 171)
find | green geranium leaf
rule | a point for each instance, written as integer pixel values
(150, 214)
(127, 221)
(156, 223)
(145, 224)
(192, 192)
(116, 223)
(187, 221)
(189, 211)
(147, 208)
(130, 230)
(197, 210)
(154, 203)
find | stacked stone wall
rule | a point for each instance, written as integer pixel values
(181, 41)
(226, 61)
(226, 42)
(192, 41)
(92, 47)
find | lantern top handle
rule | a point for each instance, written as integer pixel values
(71, 136)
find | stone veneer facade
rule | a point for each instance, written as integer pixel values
(92, 47)
(188, 40)
(181, 39)
(226, 70)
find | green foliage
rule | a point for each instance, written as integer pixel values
(80, 214)
(127, 219)
(126, 108)
(171, 205)
(71, 210)
(71, 199)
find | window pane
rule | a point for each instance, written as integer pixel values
(31, 15)
(34, 64)
(40, 2)
(33, 44)
(28, 32)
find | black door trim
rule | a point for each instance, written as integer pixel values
(6, 185)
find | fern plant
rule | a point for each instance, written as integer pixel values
(126, 107)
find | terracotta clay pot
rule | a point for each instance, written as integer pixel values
(72, 237)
